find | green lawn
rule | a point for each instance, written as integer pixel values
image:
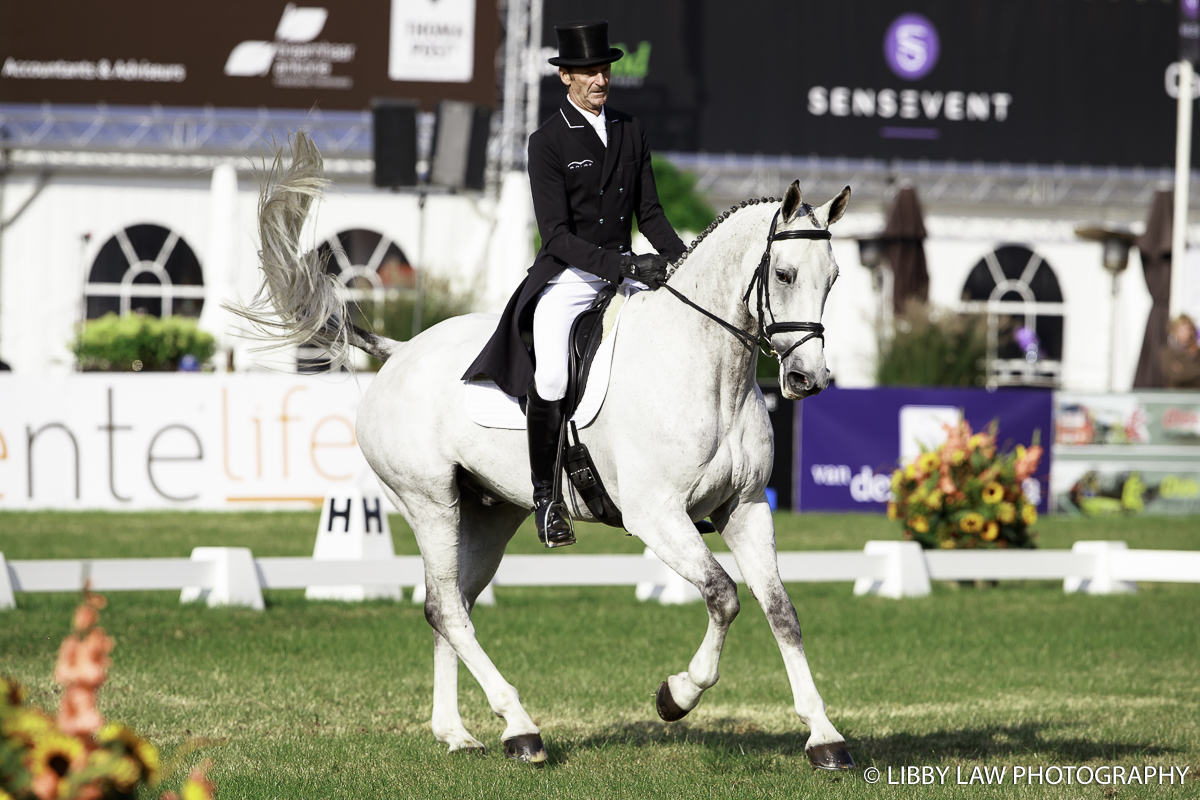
(316, 700)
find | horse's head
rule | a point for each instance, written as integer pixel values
(799, 277)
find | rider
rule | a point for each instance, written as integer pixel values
(589, 171)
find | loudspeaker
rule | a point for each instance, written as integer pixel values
(395, 124)
(460, 145)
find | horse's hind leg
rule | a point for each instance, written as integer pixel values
(750, 534)
(483, 535)
(438, 522)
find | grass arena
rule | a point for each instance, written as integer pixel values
(1052, 695)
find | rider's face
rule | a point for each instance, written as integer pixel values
(587, 86)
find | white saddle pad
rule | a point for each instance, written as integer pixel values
(491, 407)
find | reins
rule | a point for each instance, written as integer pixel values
(761, 281)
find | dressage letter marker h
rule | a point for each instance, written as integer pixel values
(354, 527)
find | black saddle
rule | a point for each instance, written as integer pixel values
(586, 333)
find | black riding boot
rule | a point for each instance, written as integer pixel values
(543, 419)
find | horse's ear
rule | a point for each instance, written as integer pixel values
(832, 211)
(791, 203)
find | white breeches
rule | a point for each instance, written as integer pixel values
(558, 306)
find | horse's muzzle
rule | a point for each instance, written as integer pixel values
(798, 384)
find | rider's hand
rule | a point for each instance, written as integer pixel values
(649, 268)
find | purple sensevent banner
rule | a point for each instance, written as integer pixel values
(852, 439)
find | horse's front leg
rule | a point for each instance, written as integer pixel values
(750, 534)
(672, 536)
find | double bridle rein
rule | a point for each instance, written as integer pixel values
(762, 281)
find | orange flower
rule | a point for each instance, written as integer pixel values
(77, 712)
(1027, 461)
(85, 617)
(84, 662)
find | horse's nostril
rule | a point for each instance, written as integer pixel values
(798, 379)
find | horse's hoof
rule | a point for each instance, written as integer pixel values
(527, 748)
(668, 709)
(832, 756)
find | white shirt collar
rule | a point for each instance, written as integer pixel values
(597, 121)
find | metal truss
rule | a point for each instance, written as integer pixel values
(154, 129)
(190, 140)
(1041, 191)
(522, 83)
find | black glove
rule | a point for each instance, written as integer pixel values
(649, 268)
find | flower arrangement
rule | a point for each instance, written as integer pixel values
(76, 755)
(965, 494)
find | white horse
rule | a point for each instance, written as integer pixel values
(684, 375)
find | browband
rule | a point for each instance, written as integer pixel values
(803, 235)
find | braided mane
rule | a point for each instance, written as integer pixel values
(805, 208)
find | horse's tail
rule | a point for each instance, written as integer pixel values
(298, 302)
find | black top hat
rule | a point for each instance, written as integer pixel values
(584, 44)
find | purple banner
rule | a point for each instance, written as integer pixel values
(852, 439)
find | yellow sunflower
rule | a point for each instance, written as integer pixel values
(958, 457)
(27, 725)
(934, 500)
(975, 441)
(910, 472)
(892, 514)
(54, 752)
(946, 544)
(919, 524)
(994, 493)
(990, 532)
(1007, 513)
(144, 753)
(928, 462)
(1029, 515)
(972, 522)
(897, 480)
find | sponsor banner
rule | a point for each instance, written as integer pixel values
(432, 40)
(1127, 453)
(1128, 420)
(178, 440)
(993, 80)
(852, 439)
(276, 54)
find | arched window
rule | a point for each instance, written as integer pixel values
(374, 270)
(371, 266)
(145, 268)
(1018, 291)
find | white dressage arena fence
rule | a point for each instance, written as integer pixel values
(221, 576)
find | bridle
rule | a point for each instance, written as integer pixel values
(761, 281)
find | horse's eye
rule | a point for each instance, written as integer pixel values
(783, 276)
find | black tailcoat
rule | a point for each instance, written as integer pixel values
(585, 197)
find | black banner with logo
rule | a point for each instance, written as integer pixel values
(1071, 81)
(337, 54)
